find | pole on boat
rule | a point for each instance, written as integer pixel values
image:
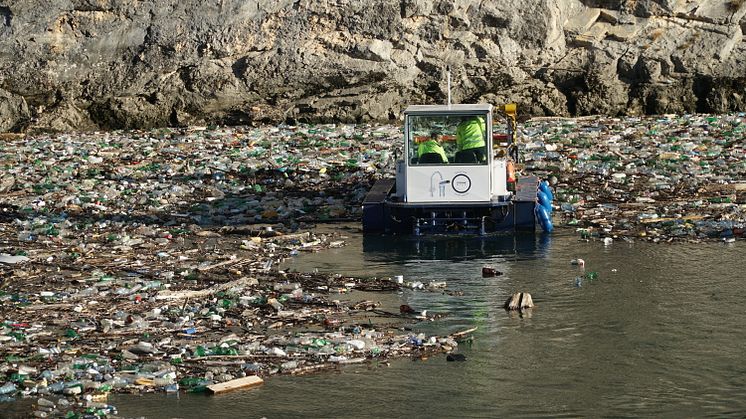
(448, 72)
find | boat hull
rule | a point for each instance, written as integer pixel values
(383, 214)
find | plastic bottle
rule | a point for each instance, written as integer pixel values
(275, 304)
(8, 388)
(56, 387)
(45, 403)
(202, 351)
(163, 381)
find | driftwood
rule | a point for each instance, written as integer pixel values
(219, 264)
(462, 333)
(48, 306)
(180, 295)
(519, 301)
(311, 368)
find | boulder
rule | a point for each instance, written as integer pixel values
(14, 112)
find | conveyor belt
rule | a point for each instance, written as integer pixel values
(379, 191)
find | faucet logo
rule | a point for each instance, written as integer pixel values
(440, 183)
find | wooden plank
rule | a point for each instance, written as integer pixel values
(246, 382)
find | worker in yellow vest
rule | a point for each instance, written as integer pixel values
(470, 140)
(433, 151)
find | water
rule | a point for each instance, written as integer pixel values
(659, 333)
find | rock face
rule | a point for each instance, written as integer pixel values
(88, 64)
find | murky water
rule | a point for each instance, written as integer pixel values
(659, 333)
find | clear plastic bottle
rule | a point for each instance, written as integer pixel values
(8, 388)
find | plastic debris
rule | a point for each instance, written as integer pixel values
(11, 260)
(147, 261)
(488, 271)
(659, 179)
(455, 357)
(406, 309)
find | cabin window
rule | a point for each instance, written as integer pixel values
(447, 139)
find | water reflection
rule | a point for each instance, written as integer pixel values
(656, 334)
(514, 246)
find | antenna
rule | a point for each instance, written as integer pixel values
(448, 71)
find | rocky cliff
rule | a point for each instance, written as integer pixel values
(102, 64)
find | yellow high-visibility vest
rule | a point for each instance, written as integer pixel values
(470, 134)
(432, 146)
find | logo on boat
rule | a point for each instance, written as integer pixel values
(461, 183)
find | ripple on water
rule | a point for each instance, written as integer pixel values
(658, 333)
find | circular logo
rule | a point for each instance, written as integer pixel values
(461, 183)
